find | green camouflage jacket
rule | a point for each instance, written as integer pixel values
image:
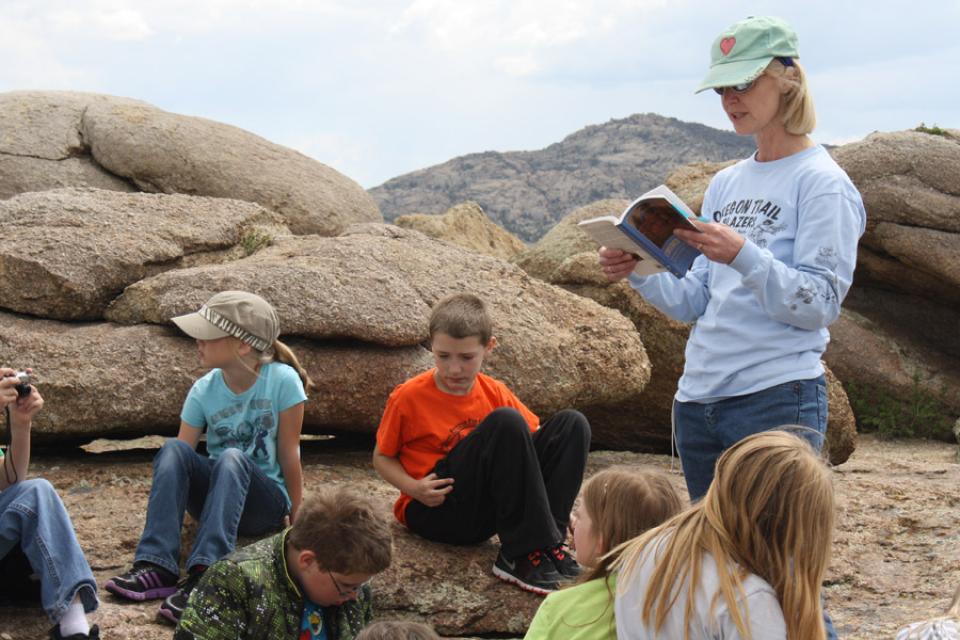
(249, 595)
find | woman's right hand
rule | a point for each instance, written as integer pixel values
(431, 490)
(616, 264)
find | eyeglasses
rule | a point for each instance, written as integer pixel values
(743, 87)
(346, 593)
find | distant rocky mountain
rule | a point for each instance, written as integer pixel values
(527, 192)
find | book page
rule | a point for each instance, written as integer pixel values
(606, 233)
(656, 219)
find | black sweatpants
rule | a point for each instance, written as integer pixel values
(508, 481)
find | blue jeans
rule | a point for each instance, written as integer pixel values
(33, 516)
(706, 430)
(229, 496)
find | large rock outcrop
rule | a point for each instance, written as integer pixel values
(58, 139)
(554, 349)
(468, 226)
(67, 253)
(910, 184)
(341, 312)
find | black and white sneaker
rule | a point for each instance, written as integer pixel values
(566, 566)
(531, 572)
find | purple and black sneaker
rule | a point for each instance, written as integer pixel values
(146, 581)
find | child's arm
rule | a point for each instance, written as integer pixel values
(430, 490)
(288, 454)
(189, 434)
(22, 411)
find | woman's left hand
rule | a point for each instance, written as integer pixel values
(716, 241)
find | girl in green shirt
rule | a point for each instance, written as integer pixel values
(617, 505)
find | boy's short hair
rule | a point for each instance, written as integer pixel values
(344, 530)
(397, 630)
(461, 315)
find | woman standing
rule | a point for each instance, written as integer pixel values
(778, 259)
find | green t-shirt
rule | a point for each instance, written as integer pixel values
(583, 612)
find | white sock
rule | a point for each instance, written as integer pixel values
(74, 620)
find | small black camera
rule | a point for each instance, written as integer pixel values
(23, 389)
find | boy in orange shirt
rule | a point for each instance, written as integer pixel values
(471, 460)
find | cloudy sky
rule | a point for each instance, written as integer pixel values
(381, 87)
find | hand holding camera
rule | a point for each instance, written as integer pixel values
(17, 393)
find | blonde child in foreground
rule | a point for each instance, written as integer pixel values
(945, 628)
(747, 561)
(396, 630)
(617, 505)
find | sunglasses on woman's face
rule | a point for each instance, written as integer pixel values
(743, 87)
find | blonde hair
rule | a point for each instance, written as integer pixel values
(283, 353)
(769, 512)
(622, 503)
(461, 315)
(796, 104)
(397, 630)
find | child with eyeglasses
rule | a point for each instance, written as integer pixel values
(296, 584)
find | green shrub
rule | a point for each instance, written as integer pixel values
(921, 415)
(253, 240)
(934, 130)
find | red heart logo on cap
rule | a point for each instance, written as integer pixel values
(726, 45)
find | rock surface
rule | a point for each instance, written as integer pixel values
(527, 192)
(690, 181)
(907, 177)
(81, 247)
(58, 138)
(565, 239)
(468, 226)
(556, 350)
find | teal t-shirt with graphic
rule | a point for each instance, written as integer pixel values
(248, 421)
(312, 627)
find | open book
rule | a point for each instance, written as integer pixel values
(645, 229)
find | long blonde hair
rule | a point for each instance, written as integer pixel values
(769, 511)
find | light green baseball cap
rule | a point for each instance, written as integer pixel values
(743, 51)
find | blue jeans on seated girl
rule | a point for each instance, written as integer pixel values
(229, 496)
(33, 517)
(706, 430)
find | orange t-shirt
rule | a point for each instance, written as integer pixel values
(421, 423)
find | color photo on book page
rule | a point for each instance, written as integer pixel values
(656, 220)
